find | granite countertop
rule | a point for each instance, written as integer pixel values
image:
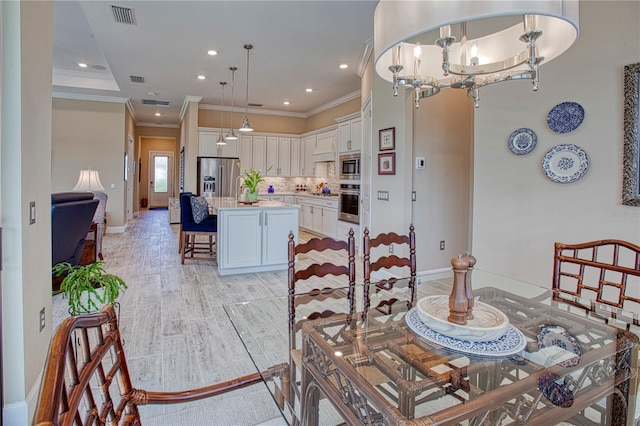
(223, 203)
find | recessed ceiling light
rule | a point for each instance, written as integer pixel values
(158, 114)
(201, 77)
(286, 102)
(309, 90)
(212, 52)
(82, 65)
(343, 66)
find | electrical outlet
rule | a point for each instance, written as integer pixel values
(418, 281)
(442, 245)
(413, 195)
(390, 248)
(42, 319)
(32, 212)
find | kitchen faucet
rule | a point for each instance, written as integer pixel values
(237, 186)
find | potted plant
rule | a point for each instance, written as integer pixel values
(251, 180)
(88, 287)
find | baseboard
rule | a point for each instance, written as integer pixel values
(116, 229)
(15, 414)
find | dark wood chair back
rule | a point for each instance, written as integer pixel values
(601, 277)
(86, 379)
(306, 292)
(385, 304)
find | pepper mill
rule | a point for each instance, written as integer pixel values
(458, 303)
(467, 285)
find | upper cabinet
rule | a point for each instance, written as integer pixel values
(306, 156)
(279, 156)
(350, 133)
(209, 148)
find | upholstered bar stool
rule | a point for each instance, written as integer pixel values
(194, 223)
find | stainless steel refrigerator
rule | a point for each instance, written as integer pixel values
(217, 175)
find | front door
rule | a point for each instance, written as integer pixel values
(160, 178)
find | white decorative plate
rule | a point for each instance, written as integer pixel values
(565, 163)
(522, 141)
(555, 335)
(511, 343)
(565, 117)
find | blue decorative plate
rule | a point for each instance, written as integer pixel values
(555, 335)
(511, 343)
(565, 117)
(522, 141)
(565, 163)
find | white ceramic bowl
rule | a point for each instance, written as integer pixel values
(488, 323)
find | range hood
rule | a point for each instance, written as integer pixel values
(325, 150)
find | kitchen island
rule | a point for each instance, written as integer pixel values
(253, 237)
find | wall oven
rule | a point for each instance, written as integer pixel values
(349, 203)
(350, 166)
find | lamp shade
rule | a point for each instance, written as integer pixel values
(89, 180)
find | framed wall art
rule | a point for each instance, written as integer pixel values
(387, 163)
(387, 140)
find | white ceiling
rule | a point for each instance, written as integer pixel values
(297, 44)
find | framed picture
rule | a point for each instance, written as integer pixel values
(387, 164)
(388, 139)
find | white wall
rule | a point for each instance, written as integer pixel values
(27, 29)
(518, 211)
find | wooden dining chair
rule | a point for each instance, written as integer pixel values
(86, 380)
(385, 288)
(600, 277)
(308, 290)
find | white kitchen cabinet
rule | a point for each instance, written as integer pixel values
(329, 221)
(276, 226)
(259, 157)
(245, 152)
(316, 221)
(208, 147)
(308, 145)
(278, 156)
(343, 231)
(295, 160)
(350, 135)
(318, 215)
(289, 199)
(253, 239)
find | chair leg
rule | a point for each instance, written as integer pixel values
(183, 245)
(180, 241)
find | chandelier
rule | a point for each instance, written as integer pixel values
(231, 135)
(430, 45)
(246, 127)
(221, 140)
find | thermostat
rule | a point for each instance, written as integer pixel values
(419, 163)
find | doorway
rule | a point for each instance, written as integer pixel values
(160, 178)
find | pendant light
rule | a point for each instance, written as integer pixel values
(231, 136)
(246, 127)
(221, 140)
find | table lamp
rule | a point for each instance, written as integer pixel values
(89, 180)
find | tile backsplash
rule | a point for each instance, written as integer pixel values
(288, 184)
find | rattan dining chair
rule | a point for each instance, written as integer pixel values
(600, 277)
(385, 288)
(86, 379)
(307, 290)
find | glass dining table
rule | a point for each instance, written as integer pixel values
(553, 365)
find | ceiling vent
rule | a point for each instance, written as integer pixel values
(136, 79)
(156, 103)
(123, 15)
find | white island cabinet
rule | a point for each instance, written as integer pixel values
(253, 238)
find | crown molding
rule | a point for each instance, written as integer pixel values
(253, 111)
(83, 97)
(335, 103)
(186, 102)
(366, 54)
(84, 80)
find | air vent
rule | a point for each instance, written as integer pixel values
(254, 105)
(123, 15)
(156, 103)
(136, 79)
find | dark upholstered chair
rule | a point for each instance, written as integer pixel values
(71, 216)
(86, 379)
(190, 230)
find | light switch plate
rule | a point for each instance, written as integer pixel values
(420, 163)
(383, 195)
(32, 212)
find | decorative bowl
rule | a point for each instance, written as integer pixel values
(488, 323)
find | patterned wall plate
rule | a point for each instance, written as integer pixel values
(565, 117)
(511, 343)
(522, 141)
(565, 163)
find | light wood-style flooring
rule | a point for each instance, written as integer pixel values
(177, 334)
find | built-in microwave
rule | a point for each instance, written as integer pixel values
(350, 166)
